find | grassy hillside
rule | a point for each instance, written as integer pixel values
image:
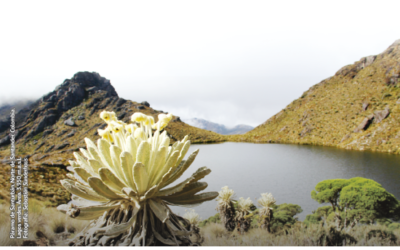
(330, 112)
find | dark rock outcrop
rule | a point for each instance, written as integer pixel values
(364, 124)
(88, 79)
(120, 102)
(39, 146)
(105, 103)
(5, 140)
(47, 132)
(177, 119)
(61, 146)
(121, 116)
(145, 104)
(72, 133)
(49, 149)
(41, 123)
(46, 111)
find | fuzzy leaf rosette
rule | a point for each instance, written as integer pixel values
(121, 183)
(243, 214)
(225, 207)
(266, 202)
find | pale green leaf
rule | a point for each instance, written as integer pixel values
(127, 163)
(115, 153)
(193, 200)
(85, 153)
(140, 177)
(109, 178)
(82, 173)
(189, 190)
(95, 165)
(181, 169)
(199, 174)
(85, 193)
(104, 149)
(143, 153)
(131, 147)
(99, 187)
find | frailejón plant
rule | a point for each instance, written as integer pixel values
(265, 202)
(243, 214)
(121, 182)
(225, 208)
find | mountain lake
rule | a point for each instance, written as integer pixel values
(289, 172)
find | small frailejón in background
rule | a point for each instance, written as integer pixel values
(194, 220)
(226, 208)
(265, 202)
(243, 214)
(121, 184)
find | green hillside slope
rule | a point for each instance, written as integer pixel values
(357, 108)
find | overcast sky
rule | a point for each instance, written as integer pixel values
(230, 62)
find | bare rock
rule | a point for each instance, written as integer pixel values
(364, 124)
(366, 61)
(81, 117)
(365, 106)
(46, 121)
(69, 122)
(380, 115)
(90, 79)
(140, 107)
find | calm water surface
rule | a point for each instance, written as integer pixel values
(289, 172)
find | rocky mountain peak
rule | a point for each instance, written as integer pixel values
(48, 109)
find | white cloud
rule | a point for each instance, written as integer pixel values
(231, 61)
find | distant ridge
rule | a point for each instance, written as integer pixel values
(218, 128)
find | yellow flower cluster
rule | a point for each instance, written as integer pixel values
(112, 133)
